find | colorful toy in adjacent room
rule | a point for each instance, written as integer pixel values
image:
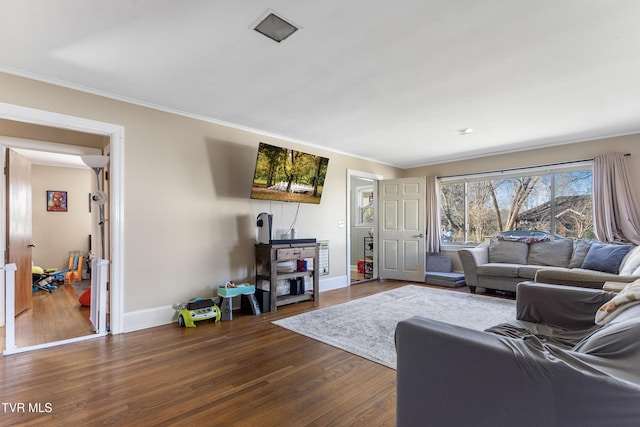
(197, 309)
(41, 280)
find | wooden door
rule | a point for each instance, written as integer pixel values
(18, 194)
(402, 228)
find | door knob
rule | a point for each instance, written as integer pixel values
(420, 235)
(32, 245)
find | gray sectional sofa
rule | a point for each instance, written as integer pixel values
(502, 263)
(552, 366)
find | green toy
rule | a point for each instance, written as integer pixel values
(197, 309)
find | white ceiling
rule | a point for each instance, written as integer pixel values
(385, 80)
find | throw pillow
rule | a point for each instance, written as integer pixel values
(630, 262)
(605, 257)
(580, 250)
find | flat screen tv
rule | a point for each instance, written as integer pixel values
(286, 175)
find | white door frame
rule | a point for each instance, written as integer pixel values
(116, 180)
(352, 173)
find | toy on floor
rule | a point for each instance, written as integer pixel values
(57, 277)
(41, 280)
(74, 272)
(197, 309)
(46, 280)
(85, 298)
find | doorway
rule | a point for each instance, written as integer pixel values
(114, 137)
(362, 226)
(61, 236)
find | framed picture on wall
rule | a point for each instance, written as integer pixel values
(56, 201)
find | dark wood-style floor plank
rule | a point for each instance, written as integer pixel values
(245, 372)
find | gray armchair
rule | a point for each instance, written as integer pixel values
(552, 366)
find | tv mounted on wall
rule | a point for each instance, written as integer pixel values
(286, 175)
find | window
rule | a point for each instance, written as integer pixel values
(555, 201)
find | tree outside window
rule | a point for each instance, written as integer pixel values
(557, 202)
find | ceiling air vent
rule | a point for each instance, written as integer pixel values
(275, 27)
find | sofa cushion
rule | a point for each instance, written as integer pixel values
(530, 271)
(499, 269)
(600, 275)
(605, 257)
(575, 277)
(508, 252)
(580, 250)
(556, 253)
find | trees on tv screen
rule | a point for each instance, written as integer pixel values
(287, 175)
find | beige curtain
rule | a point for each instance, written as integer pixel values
(433, 215)
(615, 208)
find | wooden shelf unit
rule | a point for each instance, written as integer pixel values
(267, 259)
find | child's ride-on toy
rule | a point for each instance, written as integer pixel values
(197, 309)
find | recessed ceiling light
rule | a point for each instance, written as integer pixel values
(275, 27)
(465, 131)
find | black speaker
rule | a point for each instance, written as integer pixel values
(226, 309)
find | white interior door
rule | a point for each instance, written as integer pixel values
(402, 228)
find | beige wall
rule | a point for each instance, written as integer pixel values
(562, 153)
(58, 233)
(188, 220)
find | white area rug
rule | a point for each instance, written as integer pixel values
(366, 326)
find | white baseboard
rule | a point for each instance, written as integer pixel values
(148, 318)
(333, 283)
(158, 316)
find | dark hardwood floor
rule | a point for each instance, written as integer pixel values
(245, 372)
